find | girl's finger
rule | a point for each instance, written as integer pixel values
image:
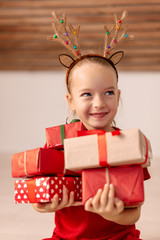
(119, 205)
(88, 205)
(40, 207)
(71, 198)
(54, 202)
(104, 195)
(96, 199)
(111, 193)
(64, 201)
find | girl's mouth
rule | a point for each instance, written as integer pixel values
(98, 115)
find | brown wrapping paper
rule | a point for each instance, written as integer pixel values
(128, 148)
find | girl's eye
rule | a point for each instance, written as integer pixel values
(86, 94)
(108, 93)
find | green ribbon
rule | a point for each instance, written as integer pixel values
(75, 120)
(62, 131)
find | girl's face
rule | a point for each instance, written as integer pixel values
(94, 95)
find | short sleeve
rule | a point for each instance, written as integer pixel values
(45, 146)
(146, 174)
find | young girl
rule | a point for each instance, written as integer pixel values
(92, 84)
(94, 95)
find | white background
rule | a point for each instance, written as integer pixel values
(32, 101)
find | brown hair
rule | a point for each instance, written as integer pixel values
(93, 58)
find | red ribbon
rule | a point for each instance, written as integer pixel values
(146, 157)
(116, 132)
(90, 132)
(31, 186)
(102, 148)
(102, 143)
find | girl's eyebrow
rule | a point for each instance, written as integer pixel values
(110, 88)
(88, 89)
(84, 90)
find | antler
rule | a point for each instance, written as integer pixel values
(109, 43)
(62, 35)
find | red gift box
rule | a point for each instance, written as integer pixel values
(43, 189)
(55, 135)
(128, 183)
(38, 161)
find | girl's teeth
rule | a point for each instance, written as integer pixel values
(98, 114)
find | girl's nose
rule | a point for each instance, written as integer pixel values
(98, 102)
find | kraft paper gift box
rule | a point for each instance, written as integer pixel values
(37, 162)
(102, 149)
(128, 183)
(43, 189)
(56, 135)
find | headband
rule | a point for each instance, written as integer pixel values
(117, 57)
(112, 37)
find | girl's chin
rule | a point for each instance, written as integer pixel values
(104, 127)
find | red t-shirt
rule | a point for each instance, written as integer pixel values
(74, 223)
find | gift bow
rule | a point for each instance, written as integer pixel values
(102, 143)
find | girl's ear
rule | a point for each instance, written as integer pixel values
(70, 101)
(117, 57)
(66, 60)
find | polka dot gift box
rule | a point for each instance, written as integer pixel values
(43, 189)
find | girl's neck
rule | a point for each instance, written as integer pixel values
(107, 129)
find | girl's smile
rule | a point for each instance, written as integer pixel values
(94, 95)
(98, 115)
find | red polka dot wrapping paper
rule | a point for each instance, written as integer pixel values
(43, 189)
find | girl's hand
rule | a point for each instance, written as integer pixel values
(67, 201)
(105, 204)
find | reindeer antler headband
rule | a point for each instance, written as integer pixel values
(70, 41)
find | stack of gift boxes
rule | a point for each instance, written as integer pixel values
(42, 170)
(83, 161)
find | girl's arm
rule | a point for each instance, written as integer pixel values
(106, 205)
(67, 201)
